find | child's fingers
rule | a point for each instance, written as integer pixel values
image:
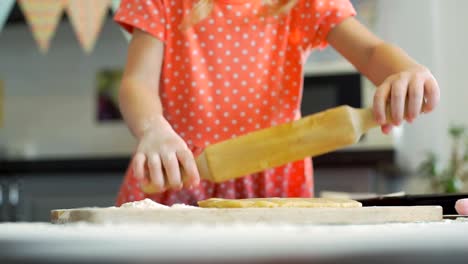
(431, 95)
(139, 165)
(171, 167)
(386, 129)
(189, 166)
(380, 102)
(398, 97)
(415, 98)
(156, 173)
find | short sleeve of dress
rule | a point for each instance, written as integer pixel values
(146, 15)
(321, 16)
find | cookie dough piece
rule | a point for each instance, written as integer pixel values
(279, 202)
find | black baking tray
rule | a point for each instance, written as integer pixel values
(446, 201)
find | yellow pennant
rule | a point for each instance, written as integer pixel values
(43, 16)
(87, 17)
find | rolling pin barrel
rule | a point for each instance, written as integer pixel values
(309, 136)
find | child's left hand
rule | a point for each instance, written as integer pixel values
(408, 94)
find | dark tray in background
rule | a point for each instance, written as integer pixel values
(446, 201)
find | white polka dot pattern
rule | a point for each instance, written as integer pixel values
(234, 73)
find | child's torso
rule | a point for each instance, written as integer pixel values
(233, 72)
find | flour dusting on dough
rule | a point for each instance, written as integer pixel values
(150, 204)
(184, 206)
(144, 204)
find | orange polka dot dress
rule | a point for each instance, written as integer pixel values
(232, 73)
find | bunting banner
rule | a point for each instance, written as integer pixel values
(115, 6)
(43, 16)
(87, 17)
(5, 9)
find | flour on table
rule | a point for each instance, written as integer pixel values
(143, 204)
(150, 204)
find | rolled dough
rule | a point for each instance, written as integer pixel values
(279, 202)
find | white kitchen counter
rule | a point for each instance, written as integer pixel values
(445, 241)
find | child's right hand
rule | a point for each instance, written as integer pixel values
(160, 156)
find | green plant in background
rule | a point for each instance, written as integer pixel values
(451, 178)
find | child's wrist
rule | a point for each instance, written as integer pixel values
(157, 122)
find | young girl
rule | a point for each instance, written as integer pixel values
(203, 71)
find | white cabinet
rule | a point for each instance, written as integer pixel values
(32, 197)
(359, 180)
(356, 180)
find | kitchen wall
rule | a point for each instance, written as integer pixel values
(49, 100)
(434, 32)
(453, 59)
(414, 26)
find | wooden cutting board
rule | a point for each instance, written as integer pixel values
(271, 147)
(362, 215)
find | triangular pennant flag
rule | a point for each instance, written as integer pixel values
(115, 6)
(87, 17)
(43, 17)
(5, 9)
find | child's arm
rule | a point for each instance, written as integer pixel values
(139, 101)
(159, 147)
(401, 80)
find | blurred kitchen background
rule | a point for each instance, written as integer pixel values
(63, 145)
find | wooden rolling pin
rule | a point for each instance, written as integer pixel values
(310, 136)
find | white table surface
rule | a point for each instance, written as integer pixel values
(438, 242)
